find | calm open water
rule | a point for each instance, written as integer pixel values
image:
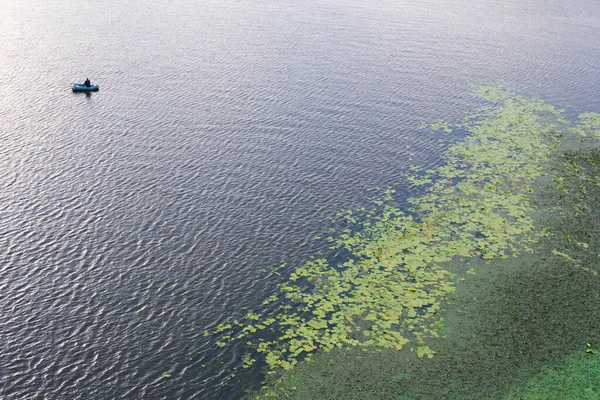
(134, 219)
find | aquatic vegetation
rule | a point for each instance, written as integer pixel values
(576, 379)
(388, 291)
(512, 319)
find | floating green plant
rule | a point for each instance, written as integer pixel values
(574, 380)
(387, 292)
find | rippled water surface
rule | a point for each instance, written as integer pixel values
(135, 218)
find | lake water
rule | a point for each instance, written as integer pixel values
(224, 132)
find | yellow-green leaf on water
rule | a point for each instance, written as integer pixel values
(388, 289)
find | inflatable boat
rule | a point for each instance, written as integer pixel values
(80, 87)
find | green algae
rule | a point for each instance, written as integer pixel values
(506, 325)
(516, 329)
(387, 294)
(388, 291)
(576, 379)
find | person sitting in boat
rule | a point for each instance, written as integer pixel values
(87, 82)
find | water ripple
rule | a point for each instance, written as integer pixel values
(136, 218)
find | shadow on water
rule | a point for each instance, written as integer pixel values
(87, 94)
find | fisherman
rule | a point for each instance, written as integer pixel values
(87, 82)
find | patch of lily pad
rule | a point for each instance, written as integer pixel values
(388, 291)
